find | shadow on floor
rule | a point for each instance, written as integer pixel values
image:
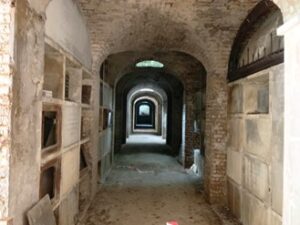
(136, 148)
(147, 186)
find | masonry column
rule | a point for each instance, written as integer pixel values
(188, 151)
(6, 55)
(291, 208)
(216, 135)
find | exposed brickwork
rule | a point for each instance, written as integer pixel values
(215, 136)
(6, 27)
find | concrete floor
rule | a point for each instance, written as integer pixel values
(145, 138)
(149, 187)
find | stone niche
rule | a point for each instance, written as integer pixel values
(53, 72)
(50, 180)
(73, 77)
(66, 132)
(51, 128)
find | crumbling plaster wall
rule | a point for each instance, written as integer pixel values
(7, 16)
(26, 161)
(26, 111)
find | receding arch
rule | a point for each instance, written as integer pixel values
(155, 92)
(145, 113)
(174, 91)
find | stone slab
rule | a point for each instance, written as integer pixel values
(236, 99)
(276, 219)
(254, 212)
(236, 134)
(234, 166)
(258, 137)
(71, 124)
(69, 208)
(70, 170)
(256, 178)
(41, 213)
(234, 199)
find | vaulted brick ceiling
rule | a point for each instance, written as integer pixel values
(185, 67)
(202, 28)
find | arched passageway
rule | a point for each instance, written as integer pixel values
(145, 114)
(134, 100)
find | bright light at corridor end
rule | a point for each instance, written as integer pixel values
(149, 63)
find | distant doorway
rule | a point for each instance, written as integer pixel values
(144, 115)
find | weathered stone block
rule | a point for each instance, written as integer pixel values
(236, 99)
(257, 96)
(277, 110)
(256, 178)
(277, 186)
(236, 134)
(258, 137)
(71, 124)
(41, 213)
(254, 212)
(68, 211)
(70, 170)
(234, 166)
(276, 219)
(234, 199)
(84, 192)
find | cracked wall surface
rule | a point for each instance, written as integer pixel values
(6, 72)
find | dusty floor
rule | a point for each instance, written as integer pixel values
(148, 139)
(149, 187)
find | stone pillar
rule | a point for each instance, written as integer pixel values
(6, 56)
(188, 151)
(291, 208)
(215, 136)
